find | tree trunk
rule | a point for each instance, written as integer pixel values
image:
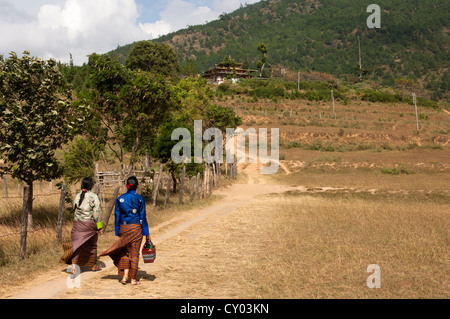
(183, 176)
(26, 218)
(62, 205)
(174, 180)
(111, 206)
(166, 201)
(156, 190)
(30, 206)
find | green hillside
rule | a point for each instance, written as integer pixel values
(321, 35)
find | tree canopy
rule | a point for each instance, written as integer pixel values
(36, 117)
(153, 57)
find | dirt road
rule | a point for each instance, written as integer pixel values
(199, 242)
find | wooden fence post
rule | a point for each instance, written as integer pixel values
(211, 181)
(166, 201)
(156, 190)
(202, 188)
(62, 205)
(27, 206)
(197, 190)
(183, 176)
(192, 187)
(111, 205)
(6, 186)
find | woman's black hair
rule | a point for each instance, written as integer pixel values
(86, 185)
(132, 183)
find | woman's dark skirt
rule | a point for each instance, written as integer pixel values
(82, 250)
(125, 251)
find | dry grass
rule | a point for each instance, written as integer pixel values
(320, 247)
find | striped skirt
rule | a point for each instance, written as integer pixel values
(125, 251)
(82, 250)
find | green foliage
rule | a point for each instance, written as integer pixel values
(322, 36)
(156, 58)
(397, 97)
(403, 169)
(262, 48)
(36, 117)
(194, 97)
(189, 68)
(130, 105)
(79, 160)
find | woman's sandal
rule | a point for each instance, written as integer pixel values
(137, 283)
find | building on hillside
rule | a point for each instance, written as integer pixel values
(221, 73)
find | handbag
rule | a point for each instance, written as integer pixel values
(149, 252)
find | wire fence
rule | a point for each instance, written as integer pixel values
(160, 184)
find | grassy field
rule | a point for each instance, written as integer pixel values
(320, 245)
(377, 193)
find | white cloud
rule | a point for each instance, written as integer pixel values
(80, 27)
(55, 28)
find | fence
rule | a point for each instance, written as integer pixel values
(156, 184)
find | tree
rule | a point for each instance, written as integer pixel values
(105, 80)
(189, 68)
(156, 58)
(147, 101)
(195, 98)
(129, 104)
(79, 160)
(262, 62)
(36, 119)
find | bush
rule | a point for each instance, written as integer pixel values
(396, 171)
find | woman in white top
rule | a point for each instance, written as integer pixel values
(82, 250)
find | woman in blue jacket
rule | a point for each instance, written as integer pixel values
(131, 226)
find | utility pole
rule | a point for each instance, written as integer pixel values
(332, 98)
(360, 60)
(415, 106)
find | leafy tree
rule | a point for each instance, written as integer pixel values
(157, 58)
(262, 62)
(105, 80)
(130, 105)
(146, 101)
(195, 103)
(189, 68)
(36, 119)
(79, 160)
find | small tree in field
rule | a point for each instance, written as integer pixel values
(36, 119)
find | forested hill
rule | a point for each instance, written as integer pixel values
(321, 35)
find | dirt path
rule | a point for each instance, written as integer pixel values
(181, 252)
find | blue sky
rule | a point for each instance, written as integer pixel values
(55, 28)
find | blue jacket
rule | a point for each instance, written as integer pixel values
(130, 208)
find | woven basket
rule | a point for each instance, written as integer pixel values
(149, 253)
